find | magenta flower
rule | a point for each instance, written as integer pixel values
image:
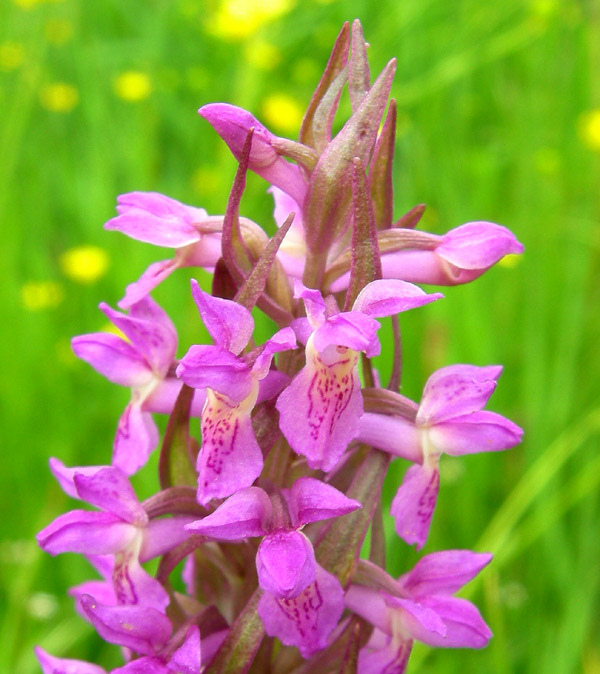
(233, 124)
(321, 408)
(230, 458)
(459, 256)
(162, 221)
(143, 363)
(121, 528)
(285, 561)
(449, 420)
(419, 606)
(143, 631)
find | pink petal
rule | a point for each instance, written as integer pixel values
(350, 329)
(144, 665)
(229, 323)
(282, 340)
(413, 505)
(370, 605)
(243, 515)
(456, 390)
(384, 655)
(418, 620)
(187, 658)
(392, 434)
(286, 565)
(132, 585)
(137, 435)
(163, 534)
(216, 368)
(150, 330)
(316, 309)
(52, 665)
(156, 273)
(311, 500)
(477, 432)
(113, 357)
(478, 245)
(141, 628)
(320, 410)
(390, 296)
(232, 124)
(162, 398)
(443, 572)
(93, 533)
(65, 475)
(157, 219)
(306, 621)
(230, 458)
(465, 628)
(110, 489)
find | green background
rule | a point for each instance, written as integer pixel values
(494, 124)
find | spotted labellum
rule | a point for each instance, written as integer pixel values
(271, 467)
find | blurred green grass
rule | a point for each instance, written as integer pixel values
(495, 104)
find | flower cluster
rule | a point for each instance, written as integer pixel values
(262, 515)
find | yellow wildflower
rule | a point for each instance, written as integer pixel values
(84, 264)
(36, 295)
(133, 86)
(589, 129)
(59, 97)
(11, 55)
(282, 112)
(237, 19)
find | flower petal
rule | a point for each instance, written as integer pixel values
(109, 488)
(156, 273)
(320, 410)
(163, 534)
(384, 655)
(92, 533)
(413, 505)
(456, 390)
(443, 572)
(187, 658)
(286, 565)
(392, 434)
(233, 124)
(387, 297)
(230, 458)
(306, 621)
(477, 432)
(465, 628)
(350, 329)
(217, 368)
(136, 436)
(155, 218)
(52, 665)
(113, 357)
(228, 323)
(141, 628)
(65, 475)
(150, 330)
(243, 515)
(310, 500)
(478, 245)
